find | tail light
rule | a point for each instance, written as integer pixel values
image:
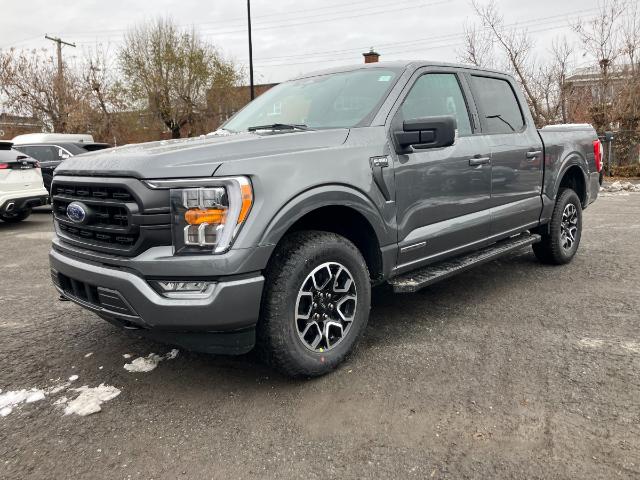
(598, 154)
(4, 166)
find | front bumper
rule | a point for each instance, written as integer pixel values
(222, 322)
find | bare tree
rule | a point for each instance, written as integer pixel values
(600, 38)
(516, 46)
(169, 71)
(630, 95)
(28, 81)
(561, 51)
(478, 47)
(104, 94)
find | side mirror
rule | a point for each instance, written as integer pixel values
(427, 132)
(62, 154)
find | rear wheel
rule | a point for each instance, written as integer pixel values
(316, 303)
(16, 216)
(561, 240)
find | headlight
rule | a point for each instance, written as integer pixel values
(206, 214)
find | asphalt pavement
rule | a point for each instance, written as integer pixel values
(512, 370)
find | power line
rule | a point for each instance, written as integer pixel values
(240, 20)
(438, 39)
(409, 5)
(532, 22)
(368, 13)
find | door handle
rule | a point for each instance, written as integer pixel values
(478, 160)
(531, 154)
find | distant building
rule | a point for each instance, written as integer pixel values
(13, 125)
(221, 105)
(586, 93)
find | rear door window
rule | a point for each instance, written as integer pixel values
(497, 104)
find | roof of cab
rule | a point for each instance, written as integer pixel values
(398, 65)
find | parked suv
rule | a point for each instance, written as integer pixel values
(21, 186)
(272, 231)
(50, 149)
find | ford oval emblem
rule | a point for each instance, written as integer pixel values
(76, 212)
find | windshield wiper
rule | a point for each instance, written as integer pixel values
(279, 126)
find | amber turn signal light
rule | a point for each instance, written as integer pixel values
(198, 216)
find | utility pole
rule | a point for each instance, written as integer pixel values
(253, 93)
(60, 80)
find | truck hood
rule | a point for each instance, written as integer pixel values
(196, 157)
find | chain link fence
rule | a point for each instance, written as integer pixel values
(621, 153)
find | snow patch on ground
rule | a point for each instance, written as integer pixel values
(622, 346)
(591, 342)
(10, 400)
(35, 236)
(127, 355)
(90, 399)
(172, 354)
(621, 188)
(87, 402)
(143, 364)
(150, 362)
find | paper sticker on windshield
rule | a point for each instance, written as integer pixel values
(384, 78)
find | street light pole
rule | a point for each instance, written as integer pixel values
(253, 93)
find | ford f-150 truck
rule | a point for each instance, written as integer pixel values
(271, 231)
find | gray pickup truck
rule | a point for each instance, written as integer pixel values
(271, 231)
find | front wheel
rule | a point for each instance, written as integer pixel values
(316, 303)
(561, 240)
(17, 216)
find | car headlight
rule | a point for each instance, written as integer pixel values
(206, 214)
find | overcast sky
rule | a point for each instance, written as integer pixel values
(289, 36)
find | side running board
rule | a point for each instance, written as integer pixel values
(423, 277)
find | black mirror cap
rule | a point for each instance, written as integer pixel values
(427, 132)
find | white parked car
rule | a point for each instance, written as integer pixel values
(21, 186)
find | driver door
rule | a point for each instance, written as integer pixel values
(443, 195)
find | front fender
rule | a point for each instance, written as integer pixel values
(324, 196)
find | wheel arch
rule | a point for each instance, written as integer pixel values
(338, 209)
(573, 174)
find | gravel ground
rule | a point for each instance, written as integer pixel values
(512, 370)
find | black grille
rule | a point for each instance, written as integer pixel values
(108, 214)
(98, 297)
(100, 237)
(78, 289)
(93, 191)
(124, 217)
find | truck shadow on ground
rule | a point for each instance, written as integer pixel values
(395, 318)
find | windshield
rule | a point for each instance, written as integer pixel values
(326, 101)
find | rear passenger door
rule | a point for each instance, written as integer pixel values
(442, 194)
(516, 153)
